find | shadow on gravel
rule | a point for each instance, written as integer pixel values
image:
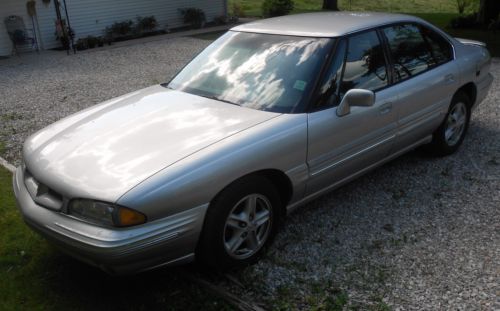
(70, 284)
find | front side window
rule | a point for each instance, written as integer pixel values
(410, 52)
(365, 66)
(260, 71)
(328, 90)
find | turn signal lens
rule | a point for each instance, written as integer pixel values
(128, 217)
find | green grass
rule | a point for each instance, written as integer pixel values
(35, 276)
(253, 7)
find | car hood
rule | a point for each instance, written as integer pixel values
(103, 151)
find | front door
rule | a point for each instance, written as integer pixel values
(340, 147)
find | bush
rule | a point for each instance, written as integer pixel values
(194, 16)
(91, 42)
(146, 24)
(119, 29)
(81, 44)
(88, 42)
(465, 21)
(220, 20)
(272, 8)
(238, 10)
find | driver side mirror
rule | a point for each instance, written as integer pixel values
(355, 97)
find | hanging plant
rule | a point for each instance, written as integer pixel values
(30, 7)
(46, 2)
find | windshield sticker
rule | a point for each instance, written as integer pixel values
(300, 85)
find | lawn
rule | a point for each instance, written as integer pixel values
(425, 9)
(252, 7)
(35, 276)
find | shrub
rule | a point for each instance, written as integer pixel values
(91, 41)
(221, 20)
(272, 8)
(119, 29)
(81, 44)
(494, 24)
(238, 10)
(194, 16)
(146, 24)
(88, 42)
(465, 21)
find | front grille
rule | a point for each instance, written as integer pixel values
(42, 194)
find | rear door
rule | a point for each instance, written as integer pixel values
(425, 77)
(338, 147)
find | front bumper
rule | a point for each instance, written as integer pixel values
(167, 241)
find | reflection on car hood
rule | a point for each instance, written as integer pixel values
(105, 150)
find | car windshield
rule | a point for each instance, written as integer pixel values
(260, 71)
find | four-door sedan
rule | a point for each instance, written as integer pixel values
(269, 116)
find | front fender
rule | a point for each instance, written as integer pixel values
(280, 143)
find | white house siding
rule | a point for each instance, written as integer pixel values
(91, 17)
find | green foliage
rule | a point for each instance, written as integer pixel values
(494, 25)
(194, 17)
(254, 7)
(237, 10)
(118, 29)
(146, 24)
(462, 5)
(271, 8)
(464, 21)
(89, 42)
(128, 29)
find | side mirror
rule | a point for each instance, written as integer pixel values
(355, 97)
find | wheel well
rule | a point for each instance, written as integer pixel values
(279, 179)
(471, 91)
(282, 183)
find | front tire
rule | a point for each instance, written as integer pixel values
(451, 133)
(239, 224)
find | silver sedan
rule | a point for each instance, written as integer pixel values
(269, 116)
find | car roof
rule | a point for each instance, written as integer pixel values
(323, 24)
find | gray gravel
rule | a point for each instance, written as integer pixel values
(416, 234)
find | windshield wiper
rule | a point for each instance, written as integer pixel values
(219, 99)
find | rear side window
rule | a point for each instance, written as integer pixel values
(410, 52)
(440, 47)
(365, 66)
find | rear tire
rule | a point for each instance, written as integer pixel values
(240, 223)
(450, 134)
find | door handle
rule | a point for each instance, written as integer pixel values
(385, 108)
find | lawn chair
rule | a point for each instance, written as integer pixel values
(19, 34)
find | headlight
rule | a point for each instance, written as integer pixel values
(107, 214)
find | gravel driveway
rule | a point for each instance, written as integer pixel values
(417, 233)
